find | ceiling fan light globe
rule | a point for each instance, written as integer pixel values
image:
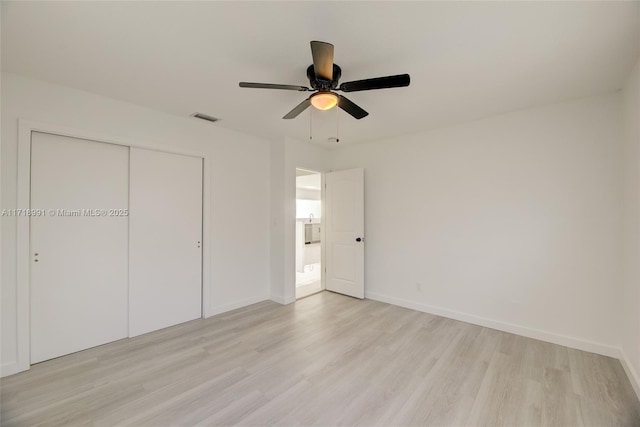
(324, 100)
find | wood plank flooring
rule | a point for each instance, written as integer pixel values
(326, 360)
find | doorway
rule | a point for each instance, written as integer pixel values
(309, 233)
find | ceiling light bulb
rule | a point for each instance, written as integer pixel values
(324, 100)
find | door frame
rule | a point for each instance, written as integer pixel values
(322, 227)
(23, 281)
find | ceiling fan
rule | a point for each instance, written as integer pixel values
(323, 77)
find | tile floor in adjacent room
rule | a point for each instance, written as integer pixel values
(309, 281)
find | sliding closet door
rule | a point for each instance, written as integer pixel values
(165, 235)
(78, 260)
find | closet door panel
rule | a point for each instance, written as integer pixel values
(165, 235)
(78, 255)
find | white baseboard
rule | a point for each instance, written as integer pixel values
(282, 300)
(7, 369)
(577, 343)
(277, 298)
(631, 372)
(235, 305)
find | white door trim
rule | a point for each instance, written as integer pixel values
(25, 128)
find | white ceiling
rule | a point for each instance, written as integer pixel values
(467, 60)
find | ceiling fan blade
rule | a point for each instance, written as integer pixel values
(322, 59)
(351, 108)
(387, 82)
(298, 109)
(273, 86)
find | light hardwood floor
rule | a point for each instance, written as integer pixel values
(325, 360)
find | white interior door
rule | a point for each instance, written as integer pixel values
(165, 236)
(78, 261)
(344, 220)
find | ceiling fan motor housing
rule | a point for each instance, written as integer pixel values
(322, 84)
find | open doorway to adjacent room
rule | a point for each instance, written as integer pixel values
(308, 233)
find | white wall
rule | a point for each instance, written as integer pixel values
(308, 210)
(286, 156)
(631, 235)
(240, 192)
(511, 222)
(277, 217)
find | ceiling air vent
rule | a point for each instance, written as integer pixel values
(204, 117)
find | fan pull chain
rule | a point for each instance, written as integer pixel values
(310, 124)
(337, 125)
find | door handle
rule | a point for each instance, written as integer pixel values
(359, 239)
